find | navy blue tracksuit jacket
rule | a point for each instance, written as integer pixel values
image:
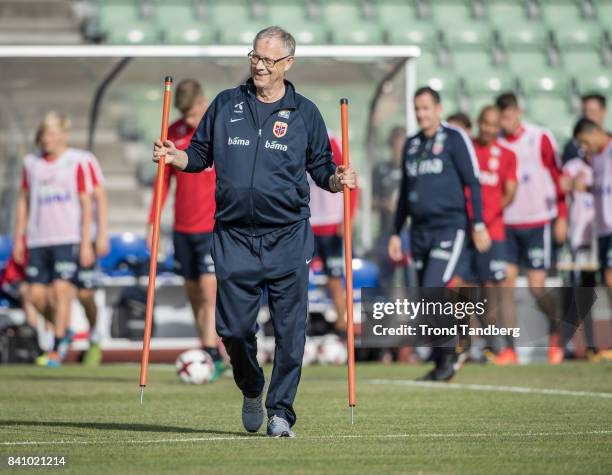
(436, 172)
(261, 168)
(262, 237)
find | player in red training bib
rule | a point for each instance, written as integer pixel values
(194, 211)
(539, 202)
(54, 214)
(498, 186)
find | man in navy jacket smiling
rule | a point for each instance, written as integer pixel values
(263, 137)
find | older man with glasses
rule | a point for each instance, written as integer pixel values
(263, 137)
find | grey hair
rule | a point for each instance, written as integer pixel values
(277, 32)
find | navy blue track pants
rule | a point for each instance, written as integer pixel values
(244, 266)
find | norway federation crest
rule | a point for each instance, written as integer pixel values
(280, 129)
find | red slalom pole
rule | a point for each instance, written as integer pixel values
(348, 261)
(161, 168)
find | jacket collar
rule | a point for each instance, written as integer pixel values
(287, 101)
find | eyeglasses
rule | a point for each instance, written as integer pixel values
(269, 63)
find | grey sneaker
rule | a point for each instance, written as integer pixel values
(279, 427)
(252, 413)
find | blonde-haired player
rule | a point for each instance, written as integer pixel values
(54, 213)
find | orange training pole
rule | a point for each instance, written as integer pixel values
(161, 167)
(348, 259)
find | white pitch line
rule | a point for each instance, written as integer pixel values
(486, 387)
(321, 437)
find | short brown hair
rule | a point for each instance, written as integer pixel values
(595, 96)
(461, 118)
(428, 90)
(507, 100)
(187, 94)
(585, 126)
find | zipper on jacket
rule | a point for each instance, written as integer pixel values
(255, 116)
(257, 151)
(252, 202)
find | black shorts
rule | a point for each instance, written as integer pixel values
(529, 247)
(86, 277)
(192, 255)
(605, 252)
(329, 250)
(49, 263)
(488, 266)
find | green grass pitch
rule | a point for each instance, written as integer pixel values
(477, 424)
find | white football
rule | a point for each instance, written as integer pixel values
(310, 352)
(262, 355)
(265, 349)
(195, 367)
(332, 351)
